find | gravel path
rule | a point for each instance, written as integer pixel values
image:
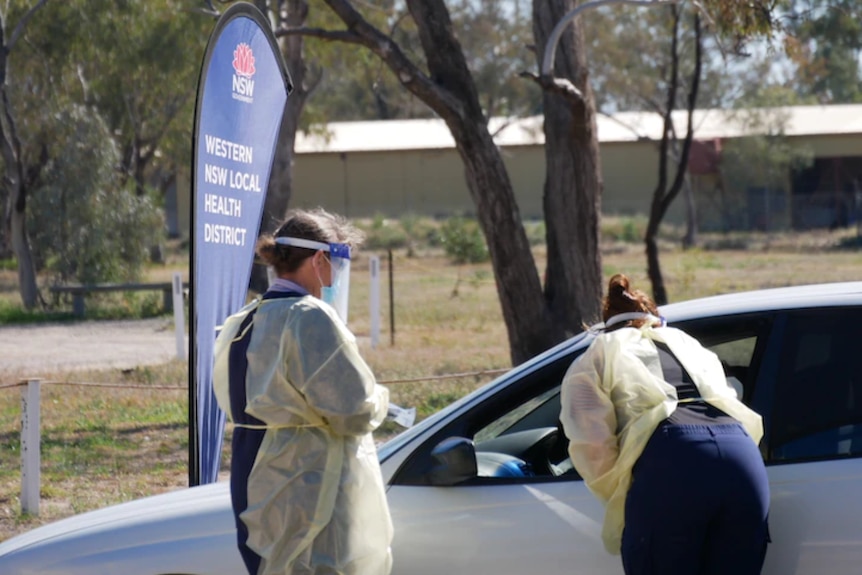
(33, 350)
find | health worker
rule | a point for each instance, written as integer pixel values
(659, 436)
(306, 487)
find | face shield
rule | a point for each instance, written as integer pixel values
(337, 292)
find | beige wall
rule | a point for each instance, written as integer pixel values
(431, 182)
(369, 183)
(832, 146)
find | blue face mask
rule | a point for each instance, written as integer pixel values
(329, 294)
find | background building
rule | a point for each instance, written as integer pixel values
(397, 167)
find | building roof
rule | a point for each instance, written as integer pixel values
(429, 134)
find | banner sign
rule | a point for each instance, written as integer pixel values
(241, 96)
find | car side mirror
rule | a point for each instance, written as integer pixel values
(453, 461)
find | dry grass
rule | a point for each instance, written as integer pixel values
(105, 445)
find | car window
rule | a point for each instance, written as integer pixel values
(738, 342)
(536, 411)
(817, 407)
(513, 433)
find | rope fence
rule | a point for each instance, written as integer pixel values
(93, 384)
(443, 377)
(31, 433)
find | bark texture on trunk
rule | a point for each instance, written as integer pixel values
(288, 14)
(10, 148)
(573, 185)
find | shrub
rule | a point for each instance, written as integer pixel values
(463, 241)
(385, 234)
(86, 224)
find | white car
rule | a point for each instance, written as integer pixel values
(484, 486)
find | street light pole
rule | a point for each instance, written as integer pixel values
(557, 32)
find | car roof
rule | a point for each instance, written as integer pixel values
(794, 297)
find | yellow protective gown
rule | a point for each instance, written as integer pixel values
(614, 396)
(316, 499)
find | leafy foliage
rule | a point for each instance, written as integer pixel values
(137, 63)
(760, 162)
(463, 241)
(85, 224)
(825, 44)
(495, 36)
(741, 20)
(385, 235)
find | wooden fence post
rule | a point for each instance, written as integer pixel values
(391, 301)
(30, 448)
(179, 316)
(374, 299)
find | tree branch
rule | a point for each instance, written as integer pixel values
(22, 23)
(409, 74)
(330, 35)
(659, 205)
(555, 85)
(682, 166)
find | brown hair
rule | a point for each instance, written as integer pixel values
(622, 299)
(317, 225)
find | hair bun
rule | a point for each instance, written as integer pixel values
(618, 285)
(621, 299)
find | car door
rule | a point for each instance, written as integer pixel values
(802, 371)
(811, 398)
(544, 522)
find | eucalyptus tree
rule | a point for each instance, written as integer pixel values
(573, 186)
(658, 69)
(763, 159)
(678, 56)
(439, 74)
(666, 191)
(443, 80)
(89, 225)
(825, 45)
(118, 71)
(17, 181)
(138, 64)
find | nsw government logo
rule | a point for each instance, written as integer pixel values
(243, 65)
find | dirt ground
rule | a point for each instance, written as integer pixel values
(31, 350)
(43, 350)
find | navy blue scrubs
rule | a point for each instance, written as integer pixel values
(246, 441)
(699, 498)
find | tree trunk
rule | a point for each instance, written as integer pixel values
(664, 195)
(27, 285)
(281, 176)
(529, 323)
(573, 185)
(16, 212)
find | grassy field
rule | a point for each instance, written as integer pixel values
(106, 445)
